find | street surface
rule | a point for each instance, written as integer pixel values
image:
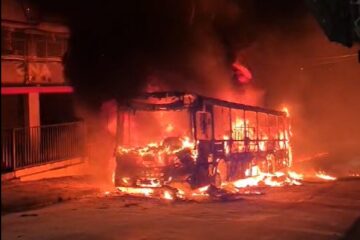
(323, 210)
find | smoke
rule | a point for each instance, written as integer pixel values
(318, 81)
(117, 49)
(189, 45)
(100, 134)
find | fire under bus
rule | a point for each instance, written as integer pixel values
(167, 137)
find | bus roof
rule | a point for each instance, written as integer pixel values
(180, 96)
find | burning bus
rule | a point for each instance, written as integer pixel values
(164, 137)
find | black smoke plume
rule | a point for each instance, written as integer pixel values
(117, 46)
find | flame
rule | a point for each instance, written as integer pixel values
(186, 143)
(295, 175)
(354, 174)
(324, 176)
(290, 156)
(167, 195)
(252, 171)
(270, 182)
(256, 178)
(137, 191)
(169, 128)
(262, 143)
(180, 194)
(247, 182)
(286, 110)
(202, 191)
(226, 144)
(152, 182)
(277, 179)
(241, 138)
(156, 149)
(126, 180)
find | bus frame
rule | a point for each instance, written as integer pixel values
(217, 159)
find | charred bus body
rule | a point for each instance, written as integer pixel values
(171, 136)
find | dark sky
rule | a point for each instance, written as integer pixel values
(116, 45)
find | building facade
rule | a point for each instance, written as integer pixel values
(32, 79)
(35, 96)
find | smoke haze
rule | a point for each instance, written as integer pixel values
(116, 49)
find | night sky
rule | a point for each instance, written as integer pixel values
(116, 45)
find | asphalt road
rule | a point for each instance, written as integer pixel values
(312, 211)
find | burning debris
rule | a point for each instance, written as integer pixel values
(228, 191)
(323, 175)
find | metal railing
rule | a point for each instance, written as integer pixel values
(25, 147)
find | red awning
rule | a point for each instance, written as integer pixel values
(26, 90)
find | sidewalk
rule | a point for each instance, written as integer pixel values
(21, 196)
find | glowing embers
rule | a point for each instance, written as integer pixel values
(258, 178)
(147, 192)
(159, 193)
(247, 182)
(324, 176)
(187, 143)
(167, 195)
(354, 174)
(254, 184)
(295, 175)
(148, 182)
(202, 191)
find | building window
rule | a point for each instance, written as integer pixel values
(56, 46)
(50, 45)
(17, 42)
(13, 42)
(40, 45)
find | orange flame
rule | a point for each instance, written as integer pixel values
(286, 110)
(200, 191)
(167, 195)
(295, 175)
(242, 129)
(269, 179)
(324, 176)
(137, 191)
(169, 128)
(247, 182)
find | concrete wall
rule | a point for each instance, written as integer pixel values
(70, 167)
